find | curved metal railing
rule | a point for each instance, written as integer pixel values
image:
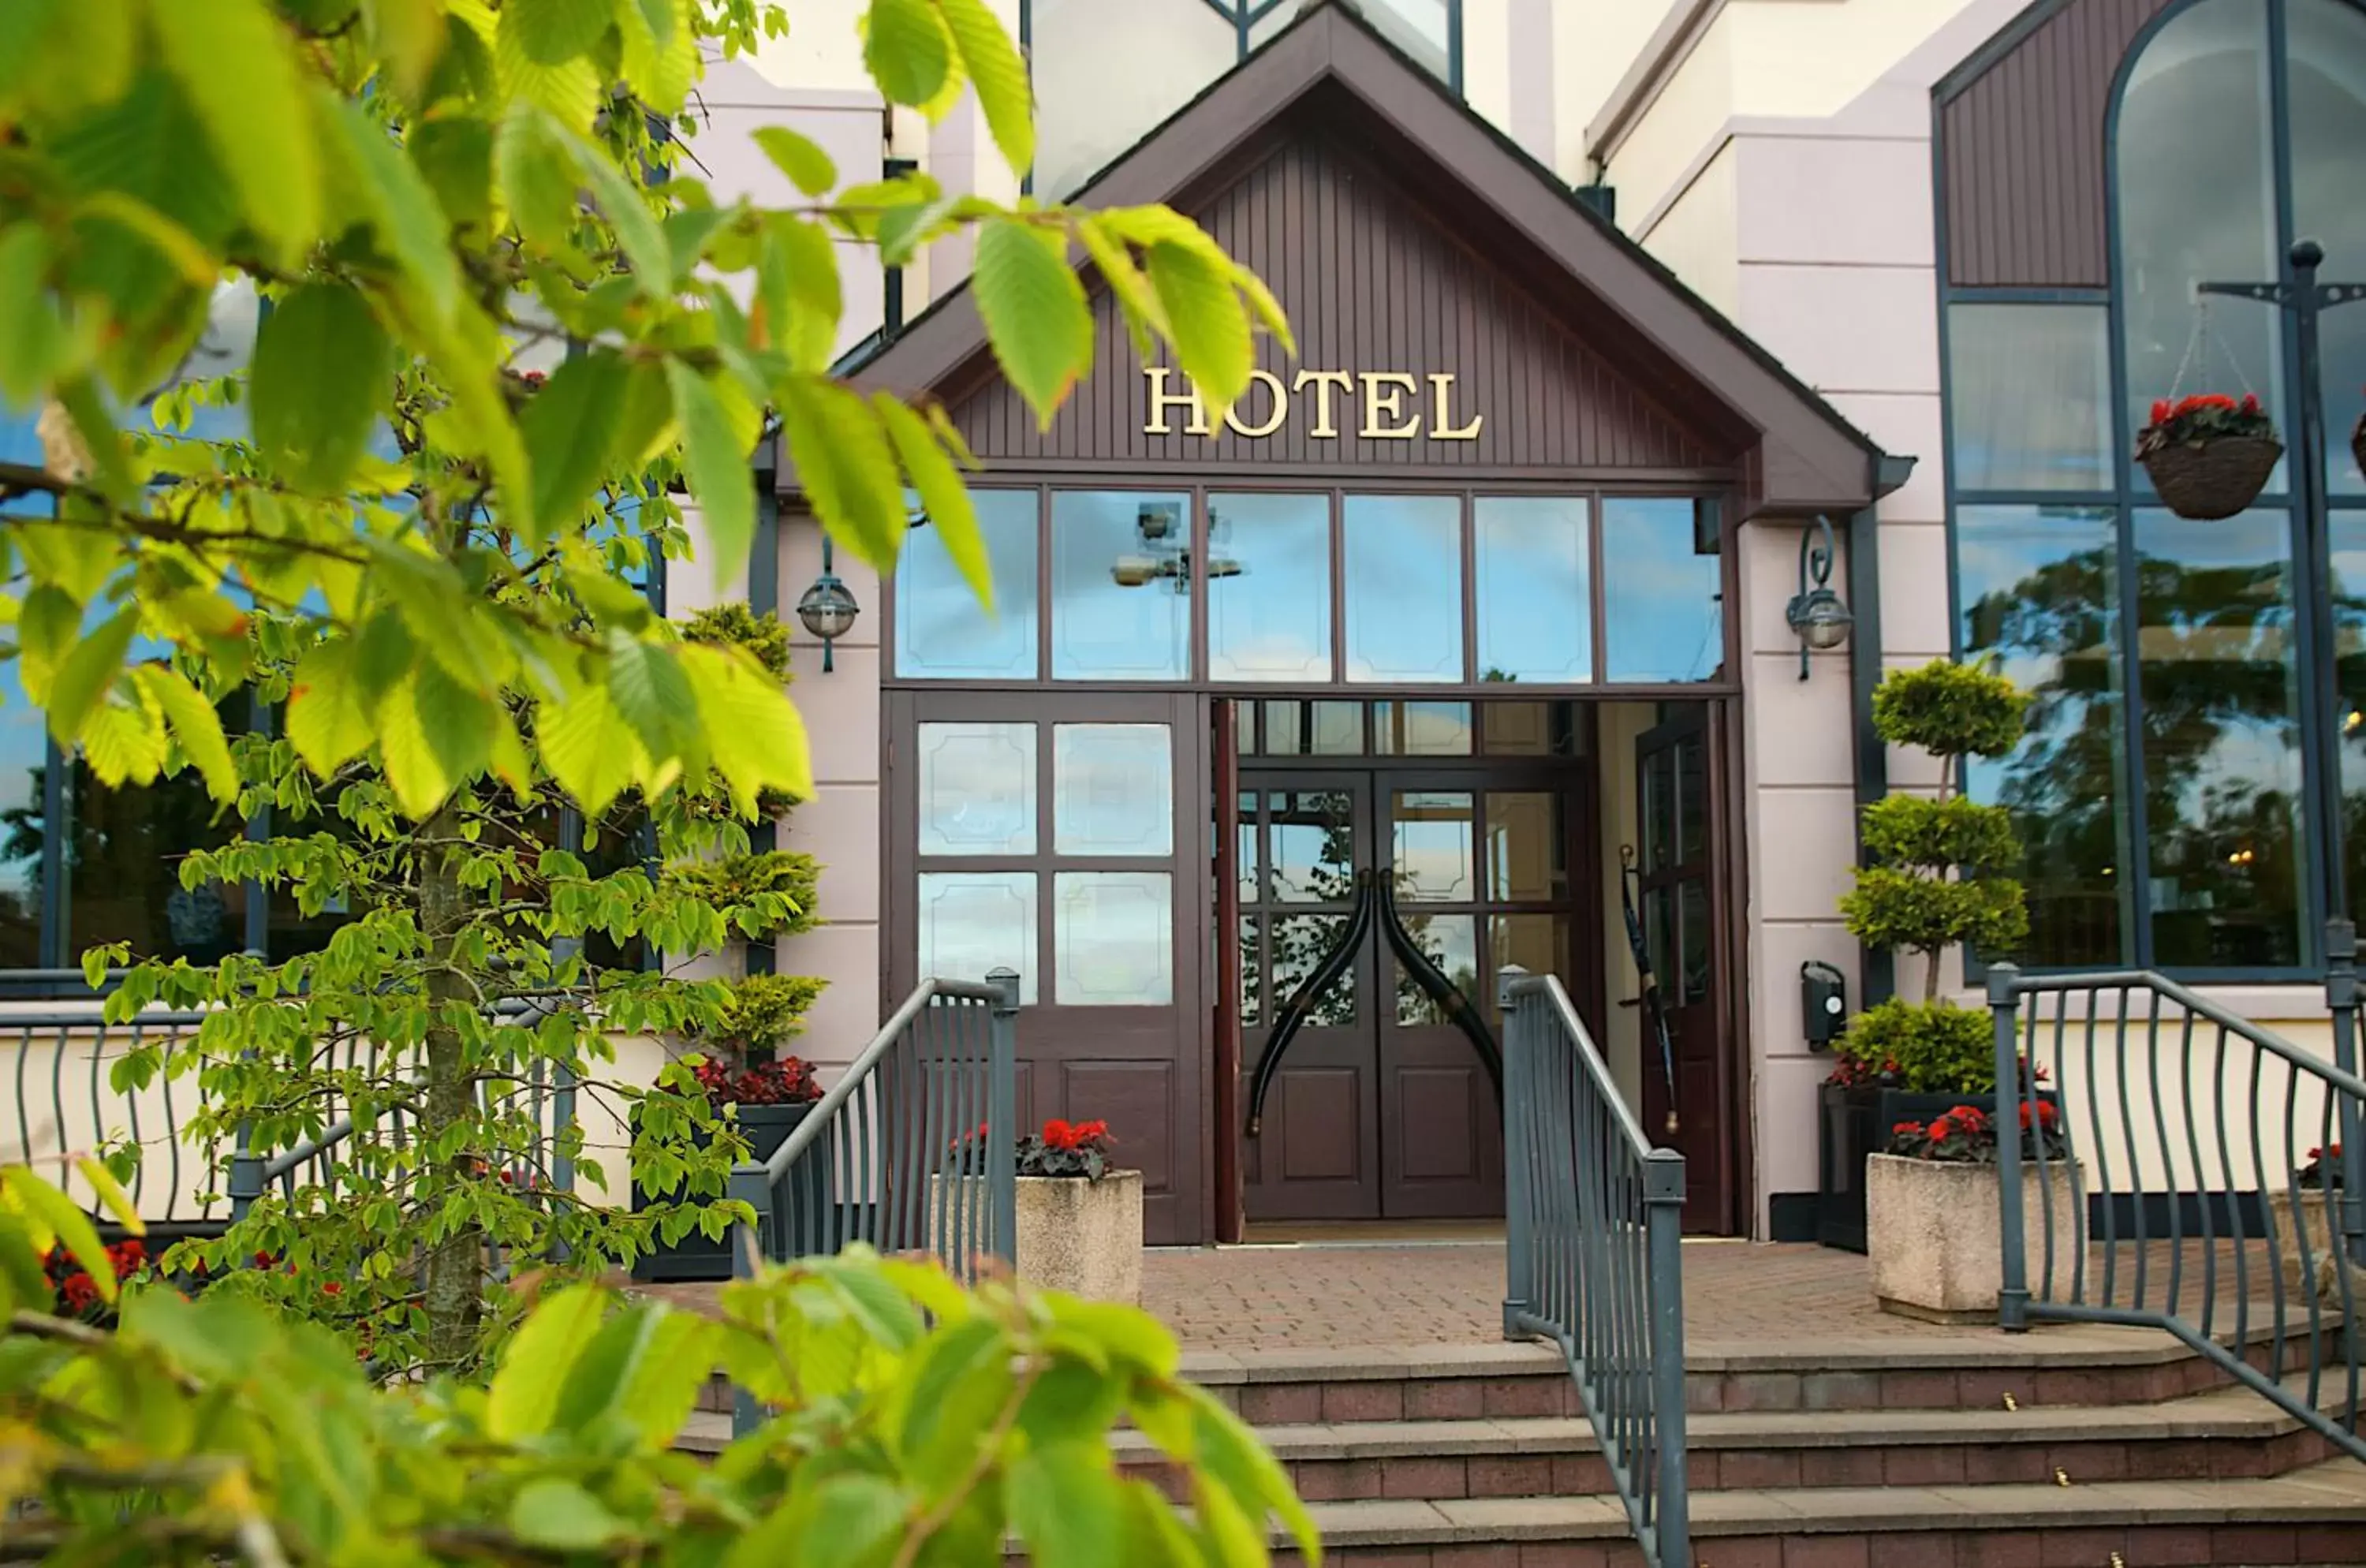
(2211, 1180)
(1594, 1221)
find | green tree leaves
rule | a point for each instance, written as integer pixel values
(321, 374)
(234, 59)
(1035, 312)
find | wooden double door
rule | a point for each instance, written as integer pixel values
(1382, 1106)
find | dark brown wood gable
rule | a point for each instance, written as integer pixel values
(2022, 149)
(1603, 296)
(1370, 283)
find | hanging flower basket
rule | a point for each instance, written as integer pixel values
(2209, 455)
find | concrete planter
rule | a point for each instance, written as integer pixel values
(2319, 1209)
(1934, 1239)
(1081, 1237)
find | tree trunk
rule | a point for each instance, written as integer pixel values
(452, 1285)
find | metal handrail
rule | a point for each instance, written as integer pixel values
(2174, 1198)
(914, 1148)
(1593, 1253)
(93, 1110)
(808, 1131)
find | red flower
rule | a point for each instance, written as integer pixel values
(1059, 1135)
(2046, 1114)
(81, 1292)
(2250, 403)
(332, 1287)
(2160, 411)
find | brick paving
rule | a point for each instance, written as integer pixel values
(1285, 1298)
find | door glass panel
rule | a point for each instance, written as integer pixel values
(1300, 943)
(1121, 586)
(977, 789)
(1313, 730)
(1692, 913)
(1252, 972)
(1529, 729)
(1405, 587)
(1692, 802)
(1113, 933)
(1536, 596)
(1449, 941)
(1112, 789)
(974, 922)
(1421, 729)
(1661, 592)
(1658, 810)
(942, 631)
(1525, 863)
(1312, 839)
(1538, 943)
(1433, 847)
(1268, 588)
(1249, 849)
(1660, 931)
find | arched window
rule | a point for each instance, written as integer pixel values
(2161, 791)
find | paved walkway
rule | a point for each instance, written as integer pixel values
(1280, 1298)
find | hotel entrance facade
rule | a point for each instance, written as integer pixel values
(1294, 727)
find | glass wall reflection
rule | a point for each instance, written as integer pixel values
(2218, 683)
(2039, 592)
(1536, 600)
(2029, 396)
(1121, 586)
(942, 631)
(2325, 68)
(1269, 588)
(1663, 599)
(1404, 588)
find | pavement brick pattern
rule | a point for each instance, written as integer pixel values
(1280, 1298)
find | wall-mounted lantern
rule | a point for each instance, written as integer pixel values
(828, 609)
(1817, 614)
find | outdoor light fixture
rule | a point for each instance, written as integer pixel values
(828, 608)
(1166, 551)
(1817, 614)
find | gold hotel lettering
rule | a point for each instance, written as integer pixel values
(1387, 401)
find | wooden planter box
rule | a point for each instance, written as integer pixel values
(1935, 1235)
(694, 1258)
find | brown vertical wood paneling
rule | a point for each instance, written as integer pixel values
(2022, 154)
(1371, 281)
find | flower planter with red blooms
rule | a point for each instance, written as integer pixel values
(1079, 1218)
(2317, 1206)
(771, 1099)
(1934, 1207)
(2209, 455)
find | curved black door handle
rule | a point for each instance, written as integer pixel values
(1443, 991)
(1301, 1006)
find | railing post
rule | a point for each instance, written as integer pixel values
(1002, 1116)
(1519, 1256)
(752, 1248)
(2004, 1007)
(1663, 1220)
(2341, 998)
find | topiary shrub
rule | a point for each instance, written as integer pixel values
(762, 896)
(764, 1013)
(736, 624)
(1939, 877)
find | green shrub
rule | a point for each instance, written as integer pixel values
(1950, 710)
(764, 1013)
(1937, 878)
(741, 627)
(759, 896)
(1924, 1048)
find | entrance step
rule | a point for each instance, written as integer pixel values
(2227, 1434)
(2315, 1516)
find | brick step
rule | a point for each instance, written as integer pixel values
(2312, 1516)
(1967, 1370)
(2226, 1434)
